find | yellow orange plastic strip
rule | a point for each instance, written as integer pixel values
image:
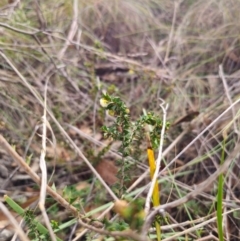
(156, 194)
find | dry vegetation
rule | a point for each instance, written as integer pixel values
(185, 52)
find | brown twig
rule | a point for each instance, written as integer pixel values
(19, 160)
(125, 234)
(197, 188)
(83, 220)
(64, 133)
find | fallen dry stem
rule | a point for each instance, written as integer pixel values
(44, 168)
(221, 74)
(126, 234)
(200, 187)
(198, 226)
(83, 220)
(72, 31)
(198, 136)
(14, 223)
(19, 160)
(64, 133)
(159, 73)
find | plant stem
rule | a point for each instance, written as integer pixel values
(220, 198)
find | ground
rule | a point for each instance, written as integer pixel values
(184, 54)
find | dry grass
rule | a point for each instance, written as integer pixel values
(139, 50)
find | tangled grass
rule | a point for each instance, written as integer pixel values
(184, 52)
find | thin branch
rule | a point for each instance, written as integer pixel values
(18, 30)
(166, 151)
(72, 31)
(196, 227)
(43, 168)
(160, 73)
(221, 74)
(125, 234)
(198, 136)
(101, 216)
(18, 159)
(64, 133)
(200, 187)
(14, 223)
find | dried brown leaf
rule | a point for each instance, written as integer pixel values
(108, 171)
